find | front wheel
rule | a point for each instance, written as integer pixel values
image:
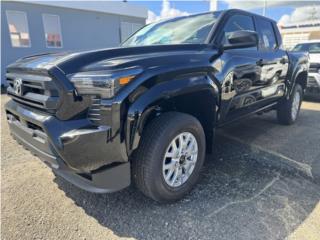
(288, 109)
(169, 158)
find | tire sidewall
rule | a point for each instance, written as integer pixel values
(173, 130)
(297, 89)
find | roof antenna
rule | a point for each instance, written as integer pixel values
(213, 5)
(264, 8)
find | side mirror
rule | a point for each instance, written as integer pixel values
(242, 39)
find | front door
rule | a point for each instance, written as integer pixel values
(240, 74)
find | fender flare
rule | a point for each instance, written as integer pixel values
(150, 100)
(299, 66)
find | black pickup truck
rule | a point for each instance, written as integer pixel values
(147, 111)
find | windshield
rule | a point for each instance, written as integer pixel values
(307, 47)
(183, 30)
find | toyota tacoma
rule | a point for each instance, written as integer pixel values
(146, 112)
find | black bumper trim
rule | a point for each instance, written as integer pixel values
(45, 157)
(109, 178)
(105, 181)
(82, 146)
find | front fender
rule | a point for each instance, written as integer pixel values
(151, 100)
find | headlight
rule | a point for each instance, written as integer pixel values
(103, 83)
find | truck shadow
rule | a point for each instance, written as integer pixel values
(236, 198)
(296, 145)
(314, 98)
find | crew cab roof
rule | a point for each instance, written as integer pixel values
(234, 11)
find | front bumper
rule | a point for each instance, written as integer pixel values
(313, 84)
(85, 155)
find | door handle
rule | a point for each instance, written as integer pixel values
(260, 62)
(284, 60)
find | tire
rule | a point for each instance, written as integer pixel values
(148, 169)
(288, 109)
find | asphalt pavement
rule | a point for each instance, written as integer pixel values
(261, 182)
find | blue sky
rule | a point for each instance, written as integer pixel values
(202, 6)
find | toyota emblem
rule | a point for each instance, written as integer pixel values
(17, 86)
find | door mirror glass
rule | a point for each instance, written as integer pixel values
(242, 39)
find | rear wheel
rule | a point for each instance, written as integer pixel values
(167, 164)
(288, 109)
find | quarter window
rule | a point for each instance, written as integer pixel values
(18, 29)
(237, 23)
(314, 48)
(267, 39)
(52, 30)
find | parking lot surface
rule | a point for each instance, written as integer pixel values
(262, 182)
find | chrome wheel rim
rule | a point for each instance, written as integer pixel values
(295, 105)
(180, 159)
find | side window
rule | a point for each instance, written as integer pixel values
(267, 39)
(237, 23)
(314, 48)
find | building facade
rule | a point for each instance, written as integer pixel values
(29, 28)
(300, 32)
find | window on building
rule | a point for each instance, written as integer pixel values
(18, 29)
(52, 30)
(127, 29)
(267, 38)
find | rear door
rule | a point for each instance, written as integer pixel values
(273, 62)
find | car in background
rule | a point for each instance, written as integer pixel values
(313, 48)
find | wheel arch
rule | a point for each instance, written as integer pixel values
(298, 71)
(197, 95)
(302, 79)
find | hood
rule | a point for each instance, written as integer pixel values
(117, 58)
(314, 57)
(40, 61)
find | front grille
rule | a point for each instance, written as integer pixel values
(94, 113)
(313, 70)
(33, 89)
(314, 67)
(312, 82)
